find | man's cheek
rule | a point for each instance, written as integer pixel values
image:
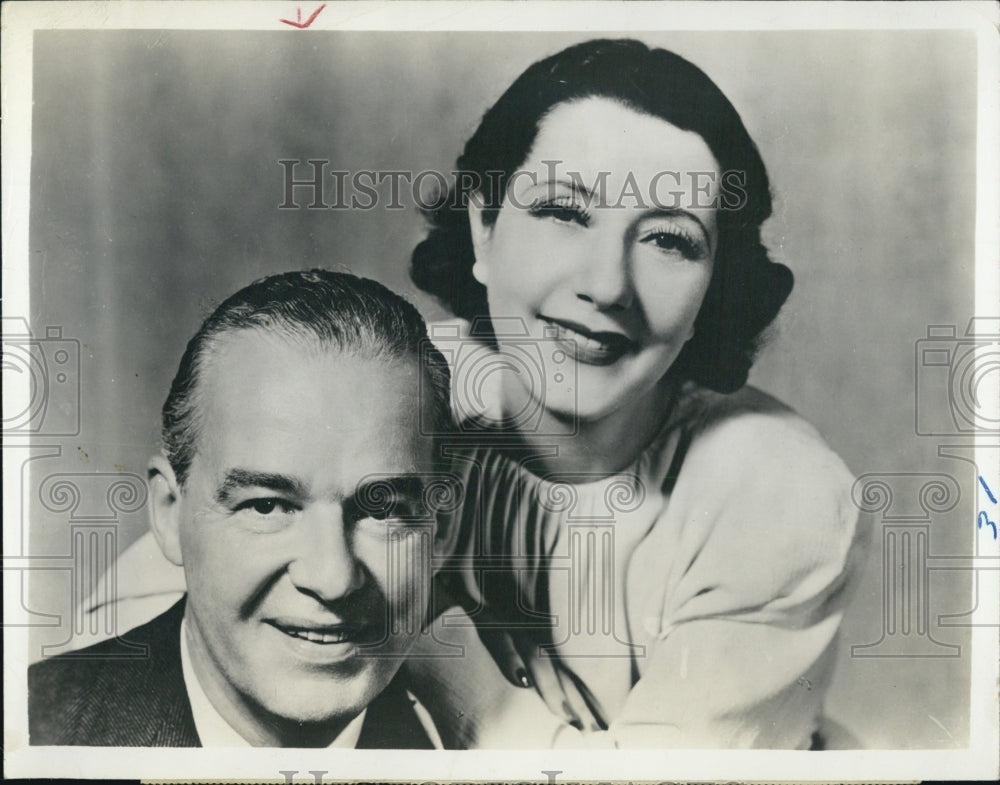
(220, 569)
(398, 562)
(410, 589)
(397, 553)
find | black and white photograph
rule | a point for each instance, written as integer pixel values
(540, 392)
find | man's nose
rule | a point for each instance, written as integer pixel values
(324, 564)
(605, 277)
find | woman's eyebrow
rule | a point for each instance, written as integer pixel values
(236, 479)
(577, 185)
(572, 183)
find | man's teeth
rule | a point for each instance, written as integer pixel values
(318, 637)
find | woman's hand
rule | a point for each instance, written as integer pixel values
(472, 703)
(527, 664)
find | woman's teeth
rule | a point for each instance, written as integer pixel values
(586, 341)
(597, 342)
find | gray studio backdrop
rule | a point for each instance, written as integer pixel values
(155, 187)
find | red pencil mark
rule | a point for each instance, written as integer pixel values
(298, 18)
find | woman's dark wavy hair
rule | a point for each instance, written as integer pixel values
(747, 289)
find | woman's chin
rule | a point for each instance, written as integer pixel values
(582, 409)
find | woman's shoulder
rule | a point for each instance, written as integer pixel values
(758, 486)
(761, 473)
(749, 431)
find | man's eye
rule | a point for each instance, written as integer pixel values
(406, 509)
(396, 512)
(395, 509)
(264, 507)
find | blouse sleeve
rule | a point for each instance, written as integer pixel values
(742, 642)
(761, 546)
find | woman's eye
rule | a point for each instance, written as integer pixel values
(675, 242)
(564, 212)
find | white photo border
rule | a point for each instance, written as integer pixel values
(21, 20)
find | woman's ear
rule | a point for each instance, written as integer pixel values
(165, 508)
(481, 234)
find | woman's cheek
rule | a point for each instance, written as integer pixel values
(672, 299)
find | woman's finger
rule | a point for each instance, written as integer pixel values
(508, 659)
(544, 674)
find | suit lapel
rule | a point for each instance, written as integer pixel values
(391, 723)
(167, 709)
(153, 709)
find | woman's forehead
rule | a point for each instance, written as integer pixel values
(617, 156)
(602, 132)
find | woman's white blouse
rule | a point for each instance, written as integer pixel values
(696, 595)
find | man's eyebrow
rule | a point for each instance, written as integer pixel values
(236, 479)
(382, 492)
(403, 485)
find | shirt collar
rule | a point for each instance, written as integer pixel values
(214, 731)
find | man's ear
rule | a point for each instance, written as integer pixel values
(165, 508)
(481, 234)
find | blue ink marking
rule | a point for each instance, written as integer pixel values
(987, 489)
(984, 520)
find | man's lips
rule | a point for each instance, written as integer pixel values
(594, 347)
(326, 634)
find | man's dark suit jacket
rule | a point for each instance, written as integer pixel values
(98, 697)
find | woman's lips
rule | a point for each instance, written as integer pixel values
(593, 347)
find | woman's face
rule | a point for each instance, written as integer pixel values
(601, 254)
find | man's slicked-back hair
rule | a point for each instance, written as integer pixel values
(334, 310)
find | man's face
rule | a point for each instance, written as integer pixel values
(298, 610)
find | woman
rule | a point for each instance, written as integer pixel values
(665, 550)
(668, 548)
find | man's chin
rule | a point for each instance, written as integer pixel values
(319, 702)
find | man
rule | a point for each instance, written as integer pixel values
(290, 490)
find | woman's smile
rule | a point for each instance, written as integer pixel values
(590, 346)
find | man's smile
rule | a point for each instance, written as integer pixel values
(342, 632)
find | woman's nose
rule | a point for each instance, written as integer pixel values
(605, 278)
(324, 564)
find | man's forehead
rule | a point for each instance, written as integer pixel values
(245, 356)
(259, 344)
(257, 387)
